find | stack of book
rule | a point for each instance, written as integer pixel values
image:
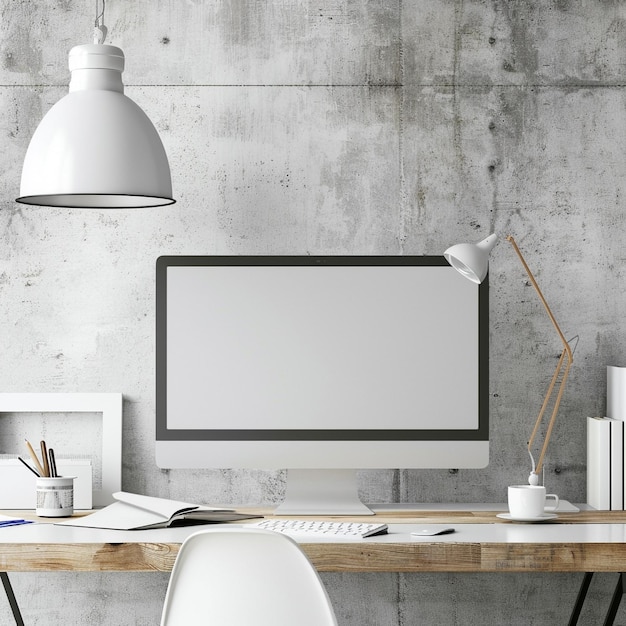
(606, 471)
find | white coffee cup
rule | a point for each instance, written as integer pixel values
(529, 501)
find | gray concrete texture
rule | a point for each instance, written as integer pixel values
(334, 127)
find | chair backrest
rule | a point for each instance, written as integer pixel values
(233, 576)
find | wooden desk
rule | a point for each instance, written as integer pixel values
(587, 541)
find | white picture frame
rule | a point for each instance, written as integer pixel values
(108, 404)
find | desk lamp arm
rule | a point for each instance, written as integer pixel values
(564, 364)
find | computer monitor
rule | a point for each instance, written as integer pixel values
(321, 365)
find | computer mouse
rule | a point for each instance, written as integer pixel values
(429, 532)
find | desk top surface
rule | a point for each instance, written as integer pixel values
(470, 527)
(575, 541)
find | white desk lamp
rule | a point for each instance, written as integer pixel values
(472, 260)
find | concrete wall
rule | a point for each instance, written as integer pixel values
(336, 127)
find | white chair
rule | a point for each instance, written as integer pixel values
(233, 576)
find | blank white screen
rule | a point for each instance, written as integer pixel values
(321, 347)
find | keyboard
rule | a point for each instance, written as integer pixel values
(316, 528)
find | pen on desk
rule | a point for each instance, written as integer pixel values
(44, 456)
(14, 522)
(53, 464)
(19, 458)
(33, 456)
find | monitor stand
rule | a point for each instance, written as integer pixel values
(322, 492)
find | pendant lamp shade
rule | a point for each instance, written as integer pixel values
(96, 148)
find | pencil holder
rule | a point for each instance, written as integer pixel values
(55, 496)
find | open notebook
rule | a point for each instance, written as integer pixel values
(137, 512)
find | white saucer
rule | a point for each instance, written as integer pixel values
(542, 518)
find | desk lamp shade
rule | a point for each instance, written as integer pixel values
(472, 261)
(96, 148)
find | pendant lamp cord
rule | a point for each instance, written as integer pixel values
(99, 30)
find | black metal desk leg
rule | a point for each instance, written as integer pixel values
(580, 599)
(11, 598)
(615, 600)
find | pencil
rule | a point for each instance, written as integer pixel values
(44, 456)
(53, 463)
(33, 456)
(19, 458)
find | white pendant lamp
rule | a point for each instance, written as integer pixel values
(96, 148)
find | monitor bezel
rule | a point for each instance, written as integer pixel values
(163, 433)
